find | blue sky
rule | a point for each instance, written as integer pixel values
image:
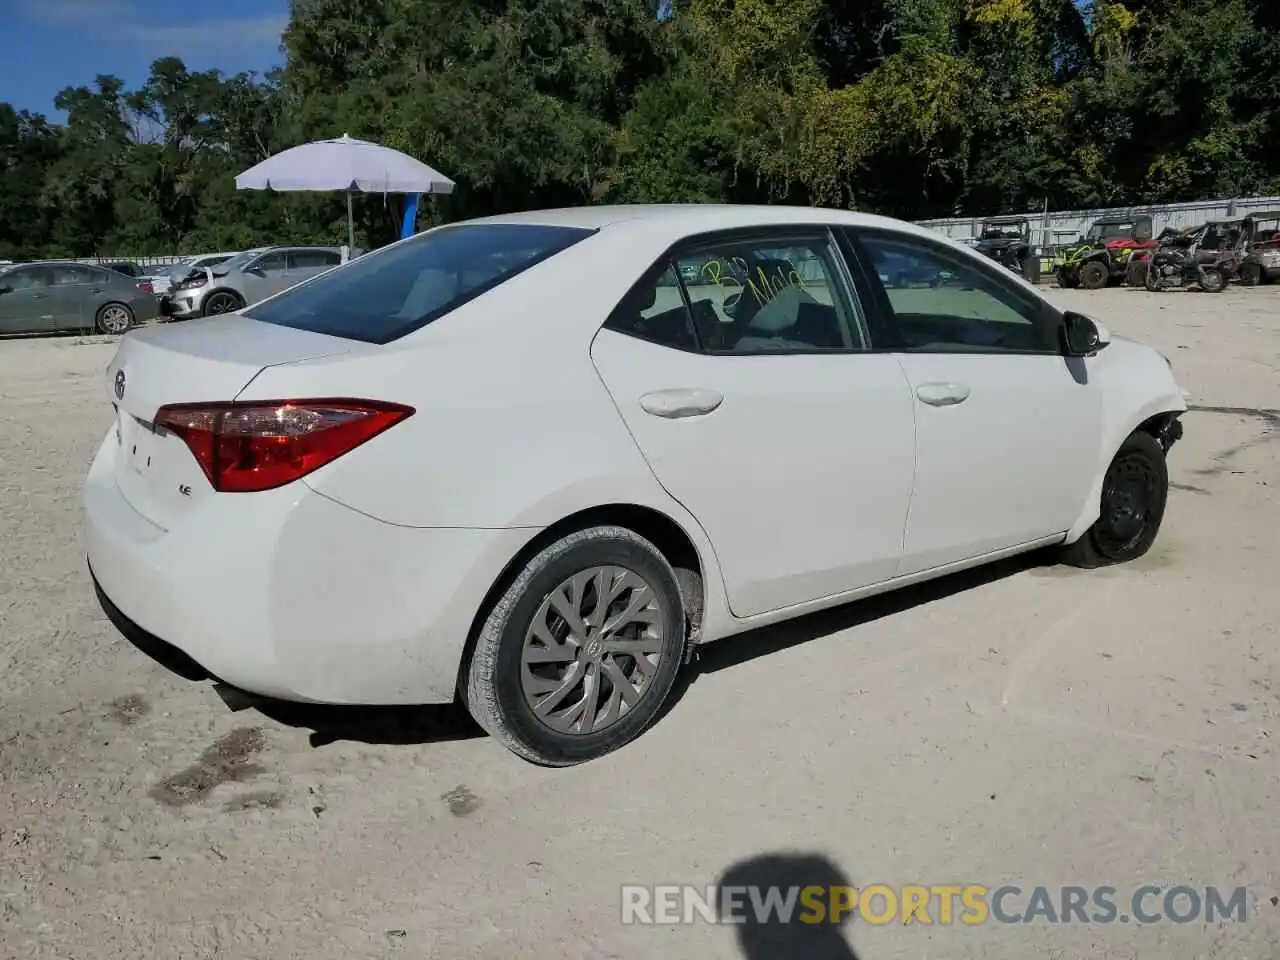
(51, 44)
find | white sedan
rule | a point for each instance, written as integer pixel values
(528, 462)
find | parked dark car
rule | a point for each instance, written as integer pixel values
(57, 295)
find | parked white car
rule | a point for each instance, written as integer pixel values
(528, 461)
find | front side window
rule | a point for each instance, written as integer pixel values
(939, 302)
(271, 264)
(389, 293)
(25, 278)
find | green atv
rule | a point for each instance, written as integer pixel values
(1101, 256)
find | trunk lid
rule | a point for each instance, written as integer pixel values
(200, 361)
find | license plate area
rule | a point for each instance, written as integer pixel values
(137, 438)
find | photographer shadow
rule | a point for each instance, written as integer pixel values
(771, 937)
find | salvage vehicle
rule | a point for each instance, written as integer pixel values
(1007, 241)
(245, 278)
(429, 476)
(1219, 244)
(1261, 262)
(1101, 256)
(1177, 263)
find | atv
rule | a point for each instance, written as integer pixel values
(1261, 262)
(1007, 241)
(1101, 256)
(1219, 244)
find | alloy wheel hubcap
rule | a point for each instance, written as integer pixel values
(115, 319)
(592, 650)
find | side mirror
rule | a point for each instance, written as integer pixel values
(1081, 336)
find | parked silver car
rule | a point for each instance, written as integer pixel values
(246, 278)
(164, 277)
(63, 295)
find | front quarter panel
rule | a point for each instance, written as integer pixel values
(1136, 383)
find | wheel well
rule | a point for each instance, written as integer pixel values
(656, 527)
(113, 303)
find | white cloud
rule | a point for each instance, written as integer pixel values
(209, 35)
(72, 13)
(121, 20)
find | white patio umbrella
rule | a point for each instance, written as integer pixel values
(344, 164)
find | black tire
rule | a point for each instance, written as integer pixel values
(220, 302)
(1213, 281)
(494, 677)
(1251, 275)
(114, 318)
(1135, 274)
(1068, 278)
(1137, 482)
(1094, 275)
(1030, 269)
(1152, 280)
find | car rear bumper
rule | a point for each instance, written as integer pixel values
(291, 595)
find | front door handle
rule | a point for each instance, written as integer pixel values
(680, 403)
(942, 394)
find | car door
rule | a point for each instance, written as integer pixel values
(72, 290)
(25, 304)
(266, 276)
(741, 367)
(1007, 428)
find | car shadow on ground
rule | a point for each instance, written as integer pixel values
(727, 653)
(404, 726)
(769, 935)
(388, 726)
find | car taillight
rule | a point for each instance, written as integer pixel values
(144, 286)
(247, 447)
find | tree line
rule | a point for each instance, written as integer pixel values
(912, 108)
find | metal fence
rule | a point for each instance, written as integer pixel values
(1050, 228)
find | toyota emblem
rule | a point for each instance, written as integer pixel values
(120, 381)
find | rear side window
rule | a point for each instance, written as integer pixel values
(389, 293)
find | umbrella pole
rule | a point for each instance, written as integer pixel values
(351, 227)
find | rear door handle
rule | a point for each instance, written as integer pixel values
(942, 394)
(681, 402)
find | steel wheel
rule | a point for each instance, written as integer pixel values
(1131, 503)
(592, 650)
(115, 318)
(220, 303)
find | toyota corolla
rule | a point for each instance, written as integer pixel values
(529, 462)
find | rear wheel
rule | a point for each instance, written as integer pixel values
(1251, 275)
(1093, 275)
(1068, 278)
(580, 653)
(113, 318)
(223, 301)
(1134, 493)
(1213, 280)
(1135, 275)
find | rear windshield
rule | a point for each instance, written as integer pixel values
(389, 293)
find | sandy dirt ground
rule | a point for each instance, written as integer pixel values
(1024, 725)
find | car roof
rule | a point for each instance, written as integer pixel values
(683, 219)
